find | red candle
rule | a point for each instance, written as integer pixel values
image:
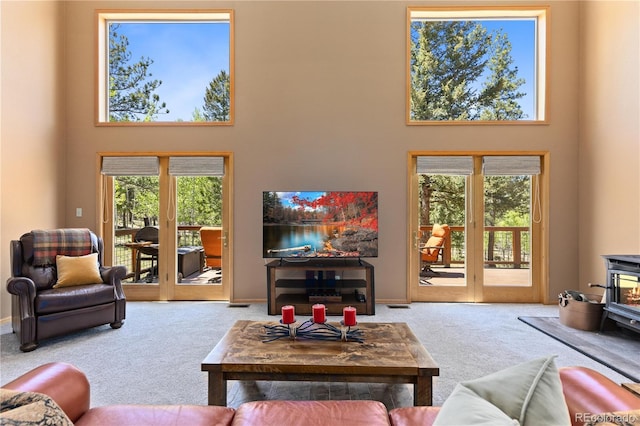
(318, 313)
(288, 314)
(349, 318)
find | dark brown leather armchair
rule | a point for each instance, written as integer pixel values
(39, 311)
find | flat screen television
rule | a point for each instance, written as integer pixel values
(308, 224)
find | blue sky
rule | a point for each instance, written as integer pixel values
(285, 197)
(186, 57)
(522, 35)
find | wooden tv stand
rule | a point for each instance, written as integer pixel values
(305, 283)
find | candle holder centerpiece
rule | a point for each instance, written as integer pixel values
(315, 328)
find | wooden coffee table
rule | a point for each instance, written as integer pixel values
(632, 387)
(391, 353)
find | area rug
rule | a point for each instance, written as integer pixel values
(617, 349)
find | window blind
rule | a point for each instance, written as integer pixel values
(130, 166)
(445, 165)
(511, 165)
(196, 166)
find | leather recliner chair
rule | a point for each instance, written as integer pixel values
(39, 311)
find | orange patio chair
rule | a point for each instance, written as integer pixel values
(211, 237)
(432, 251)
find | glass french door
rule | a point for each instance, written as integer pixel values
(492, 252)
(442, 185)
(511, 222)
(197, 218)
(152, 215)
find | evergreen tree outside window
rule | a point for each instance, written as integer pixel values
(476, 65)
(169, 67)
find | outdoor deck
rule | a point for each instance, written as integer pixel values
(454, 276)
(451, 272)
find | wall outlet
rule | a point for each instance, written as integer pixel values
(78, 211)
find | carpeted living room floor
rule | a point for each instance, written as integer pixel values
(155, 357)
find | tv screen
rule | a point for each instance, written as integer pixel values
(320, 224)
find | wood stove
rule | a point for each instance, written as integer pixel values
(623, 291)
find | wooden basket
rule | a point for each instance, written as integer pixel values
(582, 315)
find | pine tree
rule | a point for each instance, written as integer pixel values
(217, 99)
(459, 71)
(131, 96)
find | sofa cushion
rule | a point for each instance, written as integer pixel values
(76, 297)
(30, 408)
(157, 415)
(411, 416)
(465, 406)
(310, 413)
(526, 394)
(77, 270)
(42, 276)
(583, 389)
(65, 383)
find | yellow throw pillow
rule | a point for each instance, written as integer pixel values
(77, 270)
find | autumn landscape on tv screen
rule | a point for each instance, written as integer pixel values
(320, 224)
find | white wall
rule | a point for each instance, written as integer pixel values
(609, 134)
(33, 124)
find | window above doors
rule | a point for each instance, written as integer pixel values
(165, 67)
(476, 65)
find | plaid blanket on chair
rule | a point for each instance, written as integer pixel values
(68, 242)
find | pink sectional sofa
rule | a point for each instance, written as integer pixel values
(585, 391)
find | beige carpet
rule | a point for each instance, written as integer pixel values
(155, 357)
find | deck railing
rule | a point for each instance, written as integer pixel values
(511, 247)
(188, 235)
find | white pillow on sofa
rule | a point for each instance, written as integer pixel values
(526, 394)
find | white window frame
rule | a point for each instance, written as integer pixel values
(539, 13)
(103, 19)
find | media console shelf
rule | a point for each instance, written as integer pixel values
(336, 283)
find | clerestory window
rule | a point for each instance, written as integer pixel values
(165, 67)
(477, 65)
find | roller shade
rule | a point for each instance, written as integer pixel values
(130, 166)
(511, 165)
(443, 165)
(196, 166)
